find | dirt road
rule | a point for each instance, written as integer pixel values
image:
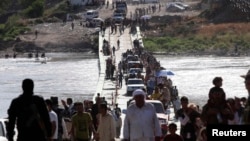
(63, 37)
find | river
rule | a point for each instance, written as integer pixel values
(64, 75)
(75, 75)
(193, 75)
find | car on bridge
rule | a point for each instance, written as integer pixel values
(121, 5)
(118, 18)
(133, 84)
(134, 64)
(132, 73)
(120, 11)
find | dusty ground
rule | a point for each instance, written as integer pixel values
(59, 37)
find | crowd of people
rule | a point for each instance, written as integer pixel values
(194, 119)
(42, 119)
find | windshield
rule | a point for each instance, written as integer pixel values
(118, 14)
(132, 58)
(136, 81)
(90, 13)
(158, 108)
(134, 70)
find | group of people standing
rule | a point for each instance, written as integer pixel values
(42, 119)
(219, 110)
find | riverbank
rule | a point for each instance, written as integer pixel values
(191, 36)
(54, 37)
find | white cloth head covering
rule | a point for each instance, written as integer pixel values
(138, 92)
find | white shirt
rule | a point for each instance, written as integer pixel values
(53, 118)
(106, 127)
(141, 123)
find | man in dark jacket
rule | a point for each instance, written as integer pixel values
(30, 113)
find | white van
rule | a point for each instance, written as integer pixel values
(95, 22)
(90, 14)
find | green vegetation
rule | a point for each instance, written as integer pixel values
(35, 9)
(197, 43)
(16, 23)
(3, 5)
(12, 28)
(59, 9)
(28, 9)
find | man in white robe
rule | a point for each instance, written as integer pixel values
(141, 122)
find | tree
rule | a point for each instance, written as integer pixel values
(3, 5)
(35, 9)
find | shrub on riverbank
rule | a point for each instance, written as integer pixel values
(224, 44)
(12, 28)
(221, 39)
(35, 9)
